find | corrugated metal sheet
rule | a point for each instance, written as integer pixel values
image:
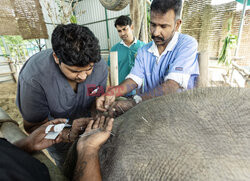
(99, 29)
(94, 13)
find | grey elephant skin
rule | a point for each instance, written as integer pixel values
(203, 134)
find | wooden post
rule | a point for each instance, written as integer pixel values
(114, 68)
(203, 66)
(9, 62)
(12, 69)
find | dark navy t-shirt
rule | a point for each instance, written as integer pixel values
(17, 165)
(43, 90)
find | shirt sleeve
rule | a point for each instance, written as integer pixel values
(185, 64)
(31, 101)
(137, 72)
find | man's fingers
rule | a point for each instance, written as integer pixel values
(109, 124)
(101, 125)
(89, 126)
(112, 110)
(96, 124)
(108, 101)
(100, 109)
(59, 138)
(100, 104)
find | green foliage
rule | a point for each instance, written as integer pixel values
(73, 19)
(19, 48)
(229, 43)
(12, 42)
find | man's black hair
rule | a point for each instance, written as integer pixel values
(123, 21)
(75, 45)
(163, 6)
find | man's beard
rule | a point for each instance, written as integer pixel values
(164, 42)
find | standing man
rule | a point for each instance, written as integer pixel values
(167, 64)
(59, 83)
(127, 48)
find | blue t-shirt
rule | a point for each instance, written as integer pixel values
(126, 58)
(44, 92)
(178, 62)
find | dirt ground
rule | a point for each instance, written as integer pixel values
(8, 101)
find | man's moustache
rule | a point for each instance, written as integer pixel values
(157, 38)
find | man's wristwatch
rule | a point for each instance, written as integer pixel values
(137, 99)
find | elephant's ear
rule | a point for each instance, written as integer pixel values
(114, 5)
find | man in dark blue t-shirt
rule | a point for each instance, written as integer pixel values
(62, 83)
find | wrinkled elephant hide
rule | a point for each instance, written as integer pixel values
(201, 134)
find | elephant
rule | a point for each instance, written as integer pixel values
(201, 134)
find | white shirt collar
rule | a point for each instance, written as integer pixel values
(123, 43)
(153, 49)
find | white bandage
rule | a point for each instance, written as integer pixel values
(59, 127)
(48, 128)
(137, 99)
(57, 130)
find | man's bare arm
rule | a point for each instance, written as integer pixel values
(87, 166)
(170, 86)
(125, 87)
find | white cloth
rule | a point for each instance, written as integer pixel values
(123, 43)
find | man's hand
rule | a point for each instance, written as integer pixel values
(78, 126)
(87, 165)
(36, 140)
(120, 107)
(93, 142)
(104, 102)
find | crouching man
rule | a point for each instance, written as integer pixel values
(61, 83)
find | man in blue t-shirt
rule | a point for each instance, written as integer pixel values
(165, 65)
(62, 82)
(127, 48)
